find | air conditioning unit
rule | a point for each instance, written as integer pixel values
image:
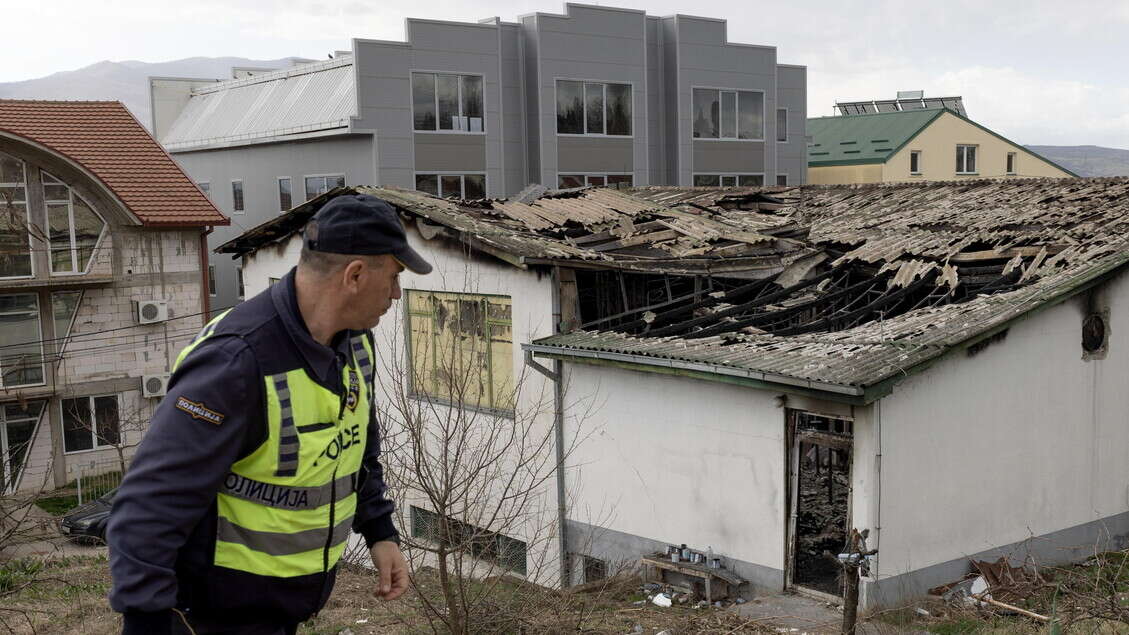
(154, 385)
(152, 311)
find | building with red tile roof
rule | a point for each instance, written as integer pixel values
(103, 279)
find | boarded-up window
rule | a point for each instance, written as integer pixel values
(461, 347)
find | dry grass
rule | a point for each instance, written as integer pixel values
(67, 595)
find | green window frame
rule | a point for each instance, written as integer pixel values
(460, 349)
(488, 546)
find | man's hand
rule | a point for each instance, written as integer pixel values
(393, 570)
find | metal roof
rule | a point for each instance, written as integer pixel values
(856, 139)
(304, 99)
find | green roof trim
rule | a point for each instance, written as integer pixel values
(899, 129)
(851, 139)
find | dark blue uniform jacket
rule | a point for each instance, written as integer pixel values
(163, 526)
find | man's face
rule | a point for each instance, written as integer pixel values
(379, 287)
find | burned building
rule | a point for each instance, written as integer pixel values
(766, 368)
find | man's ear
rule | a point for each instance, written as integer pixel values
(351, 274)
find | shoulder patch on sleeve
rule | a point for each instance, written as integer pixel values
(199, 411)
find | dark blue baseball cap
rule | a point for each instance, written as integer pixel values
(359, 224)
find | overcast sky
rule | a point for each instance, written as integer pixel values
(1038, 72)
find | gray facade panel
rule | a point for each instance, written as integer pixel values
(673, 123)
(580, 155)
(532, 72)
(450, 152)
(259, 167)
(791, 89)
(731, 157)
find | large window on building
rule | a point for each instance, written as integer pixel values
(728, 180)
(17, 428)
(458, 186)
(569, 181)
(74, 228)
(15, 239)
(483, 544)
(322, 183)
(593, 108)
(442, 101)
(64, 306)
(966, 159)
(21, 341)
(728, 114)
(461, 348)
(90, 422)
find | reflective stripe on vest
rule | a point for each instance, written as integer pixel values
(282, 544)
(360, 352)
(288, 444)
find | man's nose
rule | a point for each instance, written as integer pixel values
(396, 293)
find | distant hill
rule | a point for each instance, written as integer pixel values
(1088, 160)
(128, 81)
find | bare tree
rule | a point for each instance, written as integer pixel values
(471, 457)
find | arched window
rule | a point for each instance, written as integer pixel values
(73, 227)
(15, 241)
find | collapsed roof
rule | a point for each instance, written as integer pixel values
(840, 289)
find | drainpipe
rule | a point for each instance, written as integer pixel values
(206, 300)
(556, 376)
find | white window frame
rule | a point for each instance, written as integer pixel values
(1014, 158)
(344, 181)
(786, 131)
(38, 340)
(240, 285)
(205, 187)
(412, 101)
(736, 128)
(961, 149)
(212, 280)
(27, 220)
(584, 100)
(70, 221)
(242, 196)
(912, 154)
(93, 424)
(735, 175)
(588, 174)
(278, 186)
(458, 173)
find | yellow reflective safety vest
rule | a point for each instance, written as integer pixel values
(286, 509)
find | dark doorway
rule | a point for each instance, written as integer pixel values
(819, 499)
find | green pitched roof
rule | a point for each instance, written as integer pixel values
(856, 139)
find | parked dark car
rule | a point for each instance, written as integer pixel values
(87, 522)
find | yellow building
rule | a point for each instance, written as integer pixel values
(916, 145)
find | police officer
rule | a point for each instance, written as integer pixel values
(264, 455)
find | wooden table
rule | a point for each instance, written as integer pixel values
(662, 563)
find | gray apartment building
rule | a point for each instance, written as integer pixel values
(594, 96)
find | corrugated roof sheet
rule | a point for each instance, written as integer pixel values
(864, 138)
(105, 138)
(306, 98)
(1072, 230)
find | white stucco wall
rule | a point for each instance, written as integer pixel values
(1023, 439)
(455, 270)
